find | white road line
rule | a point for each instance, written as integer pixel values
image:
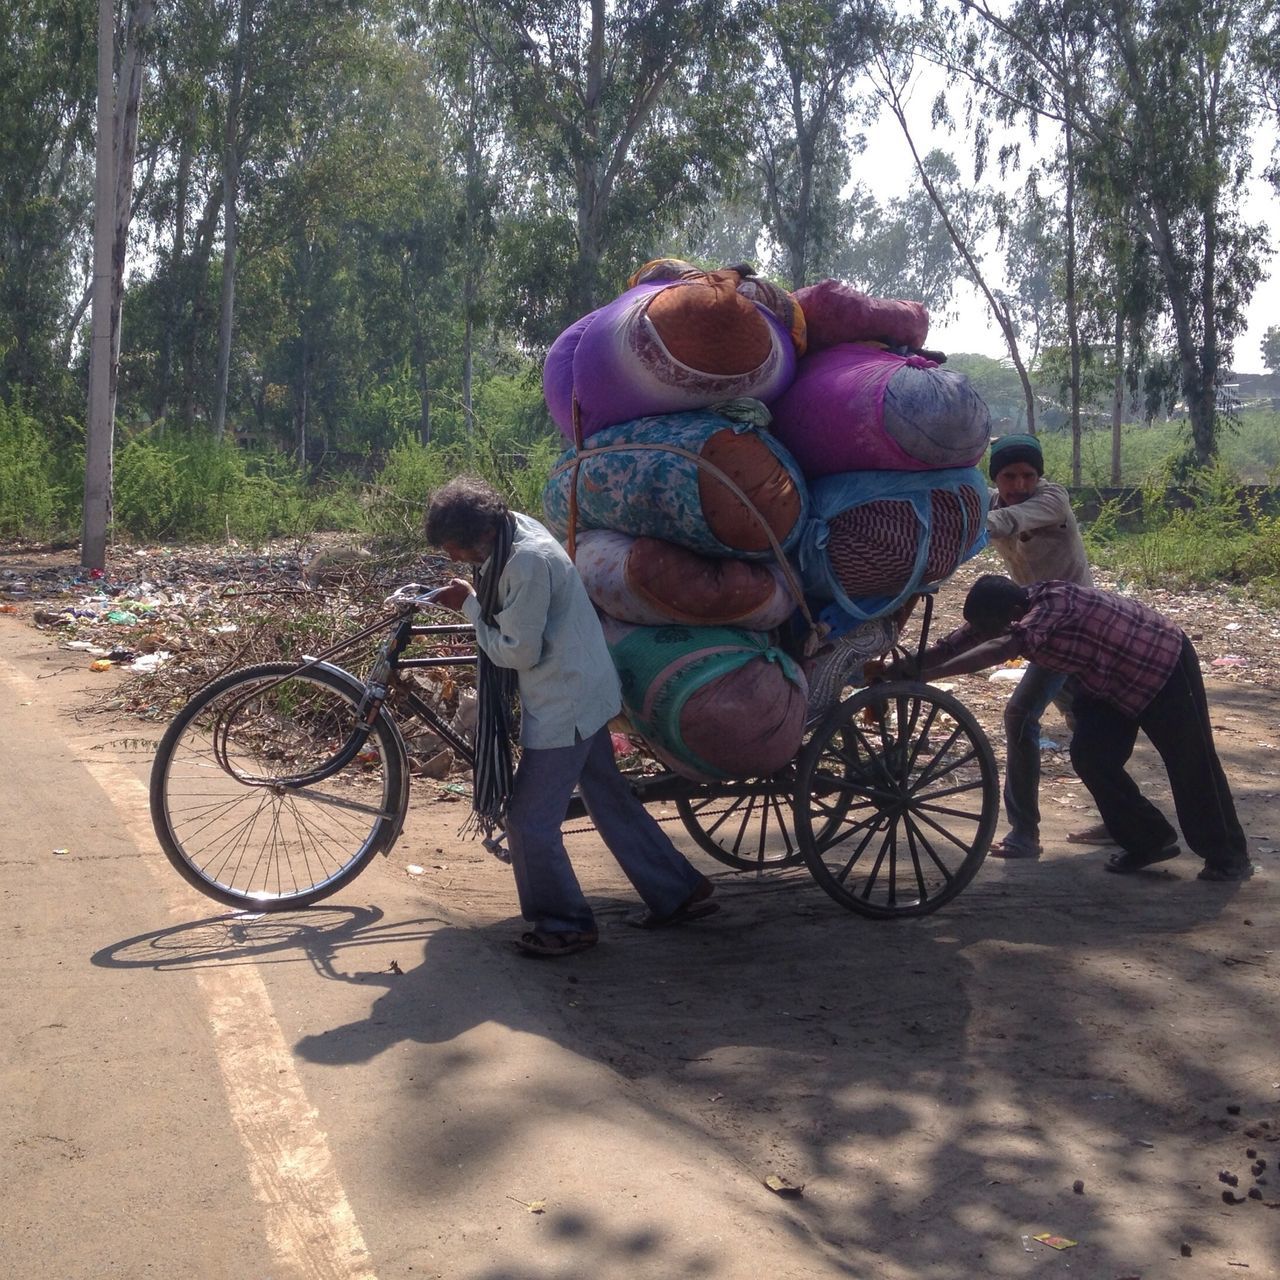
(311, 1228)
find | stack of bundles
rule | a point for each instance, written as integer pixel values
(888, 440)
(679, 502)
(677, 339)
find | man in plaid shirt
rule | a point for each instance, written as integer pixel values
(1135, 670)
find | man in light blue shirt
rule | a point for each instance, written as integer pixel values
(533, 618)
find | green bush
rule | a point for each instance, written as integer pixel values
(190, 486)
(1249, 446)
(398, 497)
(1213, 542)
(32, 503)
(148, 490)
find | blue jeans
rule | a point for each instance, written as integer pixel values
(550, 896)
(1038, 687)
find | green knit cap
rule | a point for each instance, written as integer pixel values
(1010, 449)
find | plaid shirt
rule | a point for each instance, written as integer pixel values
(1117, 649)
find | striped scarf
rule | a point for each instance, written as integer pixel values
(495, 703)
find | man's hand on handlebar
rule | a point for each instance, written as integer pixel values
(446, 597)
(452, 596)
(904, 667)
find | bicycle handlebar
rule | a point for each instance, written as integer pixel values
(413, 595)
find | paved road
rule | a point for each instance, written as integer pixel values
(191, 1094)
(380, 1087)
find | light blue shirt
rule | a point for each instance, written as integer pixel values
(547, 632)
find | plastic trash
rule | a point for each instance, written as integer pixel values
(150, 661)
(1010, 675)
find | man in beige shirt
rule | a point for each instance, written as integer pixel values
(1031, 524)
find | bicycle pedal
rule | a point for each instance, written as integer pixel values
(496, 845)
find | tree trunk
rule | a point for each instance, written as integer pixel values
(424, 386)
(468, 369)
(227, 302)
(1073, 320)
(99, 426)
(230, 219)
(196, 273)
(128, 101)
(173, 282)
(304, 400)
(470, 286)
(1117, 400)
(1198, 368)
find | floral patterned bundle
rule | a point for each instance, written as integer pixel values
(664, 480)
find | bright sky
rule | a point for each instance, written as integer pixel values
(973, 329)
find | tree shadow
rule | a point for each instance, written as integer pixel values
(931, 1083)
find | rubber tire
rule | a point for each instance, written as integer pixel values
(383, 836)
(708, 842)
(840, 721)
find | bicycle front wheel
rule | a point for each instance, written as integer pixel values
(233, 799)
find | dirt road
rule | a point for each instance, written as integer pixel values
(381, 1087)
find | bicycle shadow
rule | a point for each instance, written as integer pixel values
(318, 934)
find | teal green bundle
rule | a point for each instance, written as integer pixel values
(712, 702)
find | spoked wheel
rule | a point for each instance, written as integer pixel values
(746, 825)
(897, 799)
(231, 801)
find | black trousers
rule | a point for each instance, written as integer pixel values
(1177, 723)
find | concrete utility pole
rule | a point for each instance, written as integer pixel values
(101, 424)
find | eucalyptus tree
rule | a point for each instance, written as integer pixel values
(1028, 225)
(1156, 96)
(1122, 317)
(272, 57)
(723, 230)
(809, 56)
(180, 213)
(891, 75)
(47, 78)
(623, 115)
(1264, 51)
(901, 248)
(419, 274)
(1013, 96)
(470, 113)
(1271, 348)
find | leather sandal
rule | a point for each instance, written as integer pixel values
(695, 907)
(543, 942)
(1010, 847)
(1125, 864)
